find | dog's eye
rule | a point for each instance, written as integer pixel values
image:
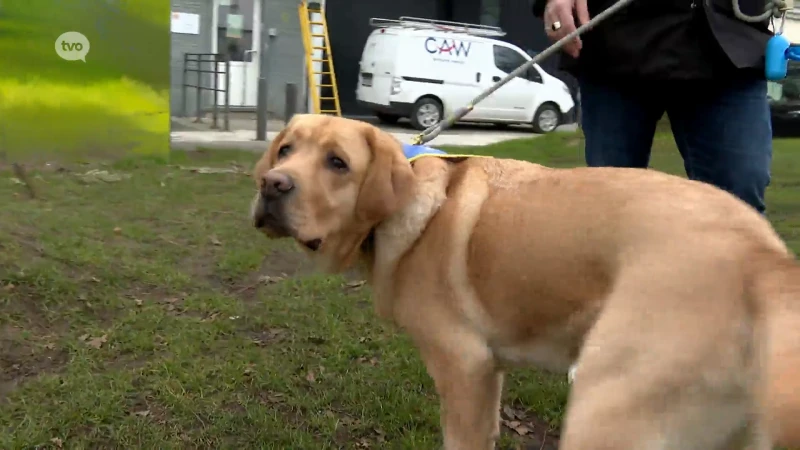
(336, 163)
(284, 150)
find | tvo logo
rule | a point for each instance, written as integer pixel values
(72, 46)
(447, 46)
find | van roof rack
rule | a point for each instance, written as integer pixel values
(438, 25)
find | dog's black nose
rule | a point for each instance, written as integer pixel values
(276, 184)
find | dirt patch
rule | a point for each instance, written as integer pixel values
(529, 431)
(269, 336)
(145, 406)
(286, 263)
(21, 359)
(277, 266)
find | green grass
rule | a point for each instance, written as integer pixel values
(145, 313)
(115, 103)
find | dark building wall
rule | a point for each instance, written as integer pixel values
(348, 29)
(468, 11)
(523, 30)
(527, 32)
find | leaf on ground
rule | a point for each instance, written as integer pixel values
(215, 241)
(143, 413)
(510, 413)
(273, 397)
(57, 442)
(522, 430)
(355, 284)
(518, 427)
(210, 318)
(98, 341)
(266, 279)
(212, 170)
(97, 176)
(371, 361)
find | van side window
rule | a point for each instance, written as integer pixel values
(534, 75)
(508, 60)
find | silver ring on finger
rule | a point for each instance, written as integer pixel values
(555, 26)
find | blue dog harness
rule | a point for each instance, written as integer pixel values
(415, 152)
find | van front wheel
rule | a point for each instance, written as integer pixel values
(546, 119)
(426, 113)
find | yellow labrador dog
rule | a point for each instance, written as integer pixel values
(679, 305)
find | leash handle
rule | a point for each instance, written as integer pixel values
(435, 130)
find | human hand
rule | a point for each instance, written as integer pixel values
(559, 21)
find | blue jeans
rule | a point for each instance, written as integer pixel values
(723, 130)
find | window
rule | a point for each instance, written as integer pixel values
(508, 60)
(235, 48)
(235, 30)
(534, 75)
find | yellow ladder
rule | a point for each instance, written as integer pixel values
(324, 96)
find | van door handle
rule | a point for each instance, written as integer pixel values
(495, 79)
(478, 77)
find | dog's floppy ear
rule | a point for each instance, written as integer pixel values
(390, 180)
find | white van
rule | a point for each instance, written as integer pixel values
(425, 69)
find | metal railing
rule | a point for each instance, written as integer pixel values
(199, 61)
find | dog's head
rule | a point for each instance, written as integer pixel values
(327, 182)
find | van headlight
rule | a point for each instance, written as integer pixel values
(396, 82)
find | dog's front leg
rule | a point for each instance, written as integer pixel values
(469, 385)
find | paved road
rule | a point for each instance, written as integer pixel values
(187, 134)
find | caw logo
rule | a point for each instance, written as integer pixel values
(446, 46)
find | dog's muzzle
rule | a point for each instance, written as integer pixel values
(268, 207)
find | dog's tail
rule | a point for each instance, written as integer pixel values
(777, 295)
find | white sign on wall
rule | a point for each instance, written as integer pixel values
(185, 23)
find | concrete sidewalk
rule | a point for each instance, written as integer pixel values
(187, 134)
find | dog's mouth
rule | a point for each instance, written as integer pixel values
(313, 244)
(271, 227)
(277, 229)
(274, 231)
(270, 219)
